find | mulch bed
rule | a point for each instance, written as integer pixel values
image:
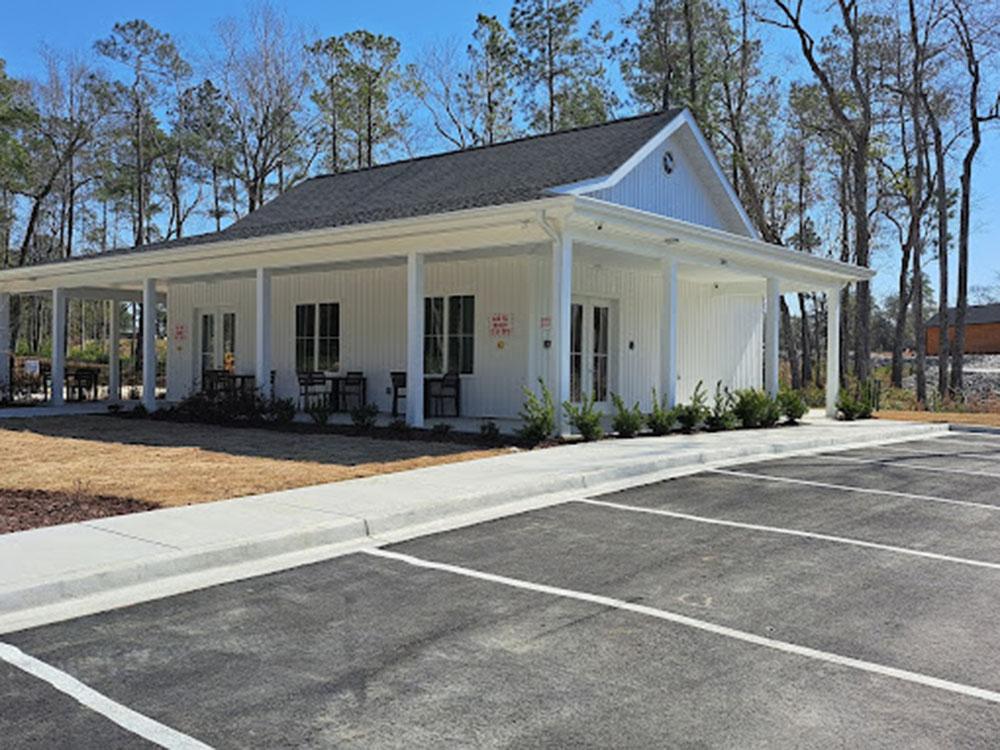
(32, 509)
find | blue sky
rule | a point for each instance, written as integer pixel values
(73, 26)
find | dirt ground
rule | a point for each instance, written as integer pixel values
(177, 464)
(983, 420)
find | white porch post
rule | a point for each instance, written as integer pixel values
(6, 345)
(668, 333)
(263, 330)
(415, 340)
(772, 322)
(114, 352)
(832, 351)
(149, 344)
(562, 298)
(58, 346)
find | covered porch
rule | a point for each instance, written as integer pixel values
(590, 297)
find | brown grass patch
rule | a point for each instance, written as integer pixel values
(955, 417)
(177, 464)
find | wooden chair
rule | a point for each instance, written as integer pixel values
(444, 390)
(353, 387)
(398, 390)
(212, 381)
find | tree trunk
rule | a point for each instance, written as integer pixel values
(918, 324)
(862, 326)
(902, 308)
(806, 347)
(790, 344)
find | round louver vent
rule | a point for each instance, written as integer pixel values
(668, 162)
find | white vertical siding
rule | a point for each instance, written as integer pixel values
(720, 337)
(680, 195)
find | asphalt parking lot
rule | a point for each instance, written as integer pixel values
(845, 599)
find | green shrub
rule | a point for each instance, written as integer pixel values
(140, 411)
(400, 426)
(691, 416)
(585, 418)
(755, 408)
(538, 415)
(721, 417)
(280, 411)
(627, 421)
(319, 412)
(859, 401)
(489, 431)
(662, 418)
(792, 404)
(441, 429)
(364, 416)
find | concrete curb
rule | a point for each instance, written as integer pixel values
(335, 531)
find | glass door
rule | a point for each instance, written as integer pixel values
(590, 351)
(207, 346)
(216, 342)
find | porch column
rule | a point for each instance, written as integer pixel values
(772, 327)
(114, 352)
(6, 346)
(58, 346)
(415, 340)
(263, 329)
(149, 344)
(832, 351)
(668, 333)
(562, 298)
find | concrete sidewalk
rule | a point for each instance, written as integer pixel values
(46, 568)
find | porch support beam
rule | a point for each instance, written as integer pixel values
(58, 346)
(668, 333)
(114, 351)
(263, 332)
(149, 344)
(562, 298)
(832, 351)
(6, 346)
(415, 340)
(772, 328)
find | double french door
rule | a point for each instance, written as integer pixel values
(590, 350)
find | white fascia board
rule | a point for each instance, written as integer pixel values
(684, 118)
(429, 234)
(749, 252)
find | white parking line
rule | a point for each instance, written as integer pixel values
(962, 441)
(702, 625)
(941, 454)
(794, 532)
(123, 716)
(848, 488)
(916, 467)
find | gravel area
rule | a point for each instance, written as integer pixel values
(31, 509)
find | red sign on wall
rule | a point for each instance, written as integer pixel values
(500, 325)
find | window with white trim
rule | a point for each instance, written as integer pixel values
(449, 334)
(317, 337)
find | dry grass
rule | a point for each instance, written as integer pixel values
(955, 417)
(177, 464)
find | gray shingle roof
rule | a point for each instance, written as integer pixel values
(974, 315)
(509, 172)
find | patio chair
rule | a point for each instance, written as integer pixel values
(398, 390)
(353, 387)
(212, 381)
(313, 388)
(442, 391)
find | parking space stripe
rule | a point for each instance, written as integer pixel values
(848, 488)
(794, 532)
(941, 454)
(125, 717)
(702, 625)
(916, 467)
(963, 441)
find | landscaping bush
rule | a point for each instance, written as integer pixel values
(489, 431)
(722, 416)
(662, 418)
(792, 404)
(364, 416)
(627, 421)
(585, 418)
(538, 415)
(400, 426)
(859, 401)
(319, 412)
(755, 408)
(441, 429)
(279, 411)
(691, 416)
